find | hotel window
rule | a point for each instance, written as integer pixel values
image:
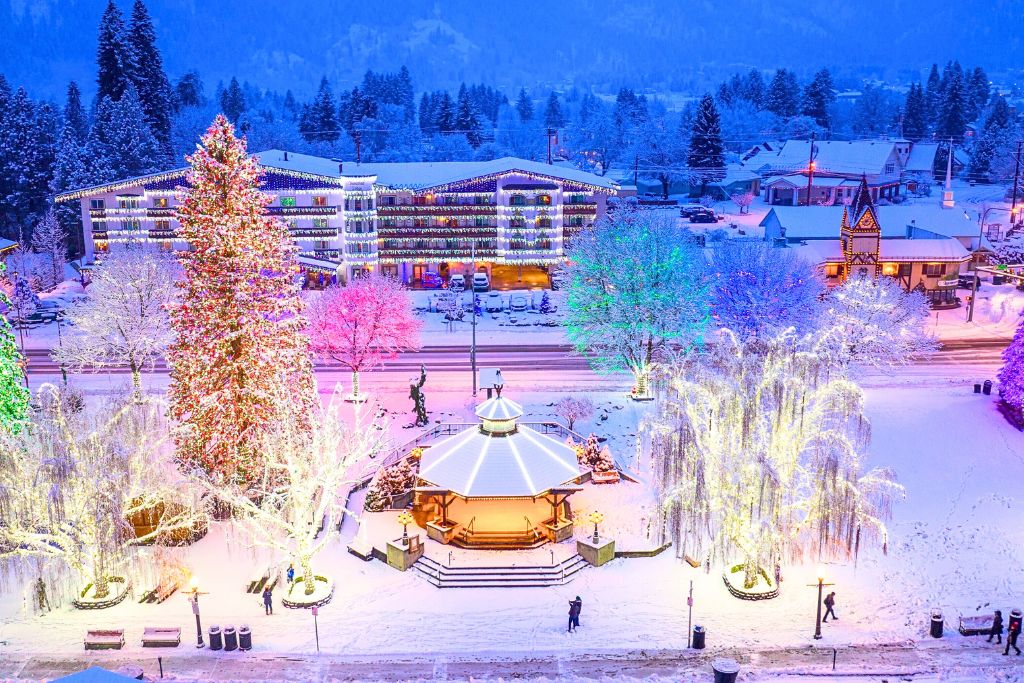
(517, 200)
(320, 223)
(161, 226)
(96, 204)
(160, 202)
(319, 200)
(128, 202)
(355, 226)
(287, 201)
(292, 224)
(890, 168)
(543, 200)
(933, 269)
(320, 245)
(389, 200)
(130, 225)
(166, 245)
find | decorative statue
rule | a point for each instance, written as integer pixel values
(419, 398)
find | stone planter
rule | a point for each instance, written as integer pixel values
(441, 532)
(559, 531)
(764, 589)
(402, 555)
(296, 597)
(598, 553)
(119, 589)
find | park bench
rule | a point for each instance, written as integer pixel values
(610, 477)
(104, 639)
(977, 625)
(154, 636)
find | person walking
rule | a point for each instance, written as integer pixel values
(268, 600)
(291, 573)
(574, 615)
(997, 628)
(830, 602)
(1013, 632)
(579, 609)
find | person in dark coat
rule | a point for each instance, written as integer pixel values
(268, 602)
(997, 628)
(1013, 632)
(830, 602)
(574, 613)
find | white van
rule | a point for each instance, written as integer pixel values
(457, 282)
(481, 282)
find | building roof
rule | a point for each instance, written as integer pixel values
(854, 157)
(800, 180)
(822, 222)
(94, 674)
(892, 249)
(516, 464)
(409, 175)
(922, 157)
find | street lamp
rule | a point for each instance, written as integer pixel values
(981, 232)
(821, 588)
(596, 517)
(194, 592)
(405, 519)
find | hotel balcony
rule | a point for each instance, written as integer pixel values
(300, 211)
(412, 210)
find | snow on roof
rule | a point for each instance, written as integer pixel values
(800, 180)
(894, 249)
(300, 163)
(822, 222)
(922, 157)
(94, 674)
(421, 175)
(852, 157)
(7, 245)
(735, 174)
(522, 463)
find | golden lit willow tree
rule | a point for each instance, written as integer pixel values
(71, 481)
(758, 450)
(297, 504)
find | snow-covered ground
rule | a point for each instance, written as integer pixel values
(957, 545)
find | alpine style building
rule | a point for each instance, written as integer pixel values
(400, 219)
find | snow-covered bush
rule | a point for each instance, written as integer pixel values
(592, 455)
(391, 481)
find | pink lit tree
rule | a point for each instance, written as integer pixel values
(1011, 376)
(363, 324)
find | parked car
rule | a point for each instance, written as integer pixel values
(964, 281)
(704, 216)
(457, 282)
(558, 279)
(688, 210)
(517, 303)
(432, 280)
(493, 303)
(481, 282)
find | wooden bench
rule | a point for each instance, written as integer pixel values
(104, 639)
(978, 625)
(154, 636)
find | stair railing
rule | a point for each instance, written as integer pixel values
(469, 527)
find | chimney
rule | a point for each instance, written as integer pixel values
(341, 168)
(286, 155)
(910, 228)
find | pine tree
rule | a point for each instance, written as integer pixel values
(69, 173)
(553, 117)
(953, 116)
(1011, 376)
(189, 91)
(993, 136)
(121, 144)
(445, 121)
(51, 240)
(240, 362)
(232, 101)
(322, 124)
(706, 157)
(783, 95)
(933, 96)
(114, 58)
(426, 115)
(74, 113)
(915, 114)
(753, 88)
(26, 161)
(978, 89)
(14, 396)
(155, 93)
(818, 99)
(524, 106)
(467, 119)
(406, 94)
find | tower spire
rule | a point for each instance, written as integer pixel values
(947, 193)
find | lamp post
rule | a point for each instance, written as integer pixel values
(596, 518)
(981, 232)
(821, 588)
(472, 289)
(405, 519)
(194, 599)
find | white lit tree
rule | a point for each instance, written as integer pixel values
(637, 285)
(298, 501)
(50, 240)
(123, 320)
(573, 408)
(758, 457)
(72, 480)
(875, 322)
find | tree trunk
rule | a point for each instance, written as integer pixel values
(750, 573)
(136, 384)
(355, 385)
(308, 580)
(101, 585)
(640, 375)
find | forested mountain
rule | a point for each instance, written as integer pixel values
(681, 45)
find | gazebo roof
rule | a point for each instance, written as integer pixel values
(477, 463)
(499, 408)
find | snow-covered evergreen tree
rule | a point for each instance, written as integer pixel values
(524, 106)
(1011, 375)
(75, 115)
(782, 96)
(154, 89)
(239, 347)
(115, 60)
(467, 119)
(50, 240)
(706, 159)
(553, 117)
(915, 114)
(14, 396)
(818, 99)
(232, 101)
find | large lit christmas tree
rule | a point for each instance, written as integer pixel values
(240, 362)
(14, 396)
(1011, 378)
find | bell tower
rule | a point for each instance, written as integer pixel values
(860, 235)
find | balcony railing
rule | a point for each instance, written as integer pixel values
(441, 253)
(579, 209)
(313, 232)
(161, 212)
(438, 210)
(302, 210)
(437, 233)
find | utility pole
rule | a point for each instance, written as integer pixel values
(551, 133)
(636, 168)
(1016, 178)
(358, 137)
(472, 289)
(810, 171)
(689, 618)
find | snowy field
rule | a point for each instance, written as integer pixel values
(957, 545)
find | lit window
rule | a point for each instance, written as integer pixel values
(933, 269)
(287, 201)
(319, 201)
(160, 202)
(320, 223)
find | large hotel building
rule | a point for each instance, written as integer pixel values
(400, 219)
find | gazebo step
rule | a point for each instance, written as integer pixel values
(444, 576)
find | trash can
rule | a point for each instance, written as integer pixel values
(986, 388)
(215, 640)
(230, 639)
(698, 637)
(936, 629)
(977, 387)
(244, 638)
(725, 670)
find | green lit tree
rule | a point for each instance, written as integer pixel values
(14, 395)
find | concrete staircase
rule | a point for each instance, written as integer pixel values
(444, 576)
(499, 540)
